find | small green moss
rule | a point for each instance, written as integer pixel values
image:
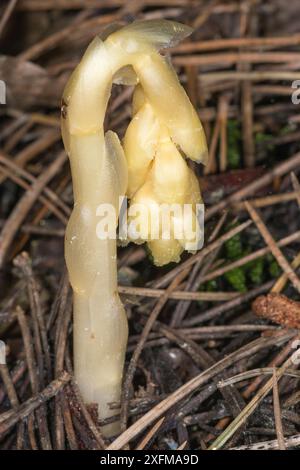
(237, 279)
(274, 268)
(261, 138)
(211, 286)
(286, 130)
(256, 271)
(233, 247)
(234, 251)
(233, 144)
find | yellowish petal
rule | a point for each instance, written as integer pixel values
(165, 251)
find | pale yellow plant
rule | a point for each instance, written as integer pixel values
(99, 174)
(159, 179)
